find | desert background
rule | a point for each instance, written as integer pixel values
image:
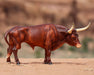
(60, 12)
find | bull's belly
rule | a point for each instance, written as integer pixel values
(52, 47)
(33, 44)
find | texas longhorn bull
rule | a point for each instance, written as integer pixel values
(48, 36)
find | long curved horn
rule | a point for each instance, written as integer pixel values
(70, 30)
(82, 29)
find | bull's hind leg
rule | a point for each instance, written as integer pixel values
(15, 50)
(9, 52)
(16, 46)
(16, 57)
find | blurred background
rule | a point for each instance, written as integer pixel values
(36, 12)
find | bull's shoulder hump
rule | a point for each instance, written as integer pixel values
(61, 27)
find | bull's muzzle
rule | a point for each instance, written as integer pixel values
(78, 45)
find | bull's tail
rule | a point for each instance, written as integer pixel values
(5, 37)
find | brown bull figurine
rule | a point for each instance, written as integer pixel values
(48, 36)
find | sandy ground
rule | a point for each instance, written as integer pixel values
(59, 67)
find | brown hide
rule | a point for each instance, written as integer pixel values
(49, 37)
(45, 36)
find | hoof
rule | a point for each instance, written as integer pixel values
(48, 63)
(17, 63)
(8, 61)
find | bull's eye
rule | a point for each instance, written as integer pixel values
(73, 38)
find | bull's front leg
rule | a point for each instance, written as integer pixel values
(47, 57)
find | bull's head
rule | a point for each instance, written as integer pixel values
(72, 37)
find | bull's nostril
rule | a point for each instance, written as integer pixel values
(78, 45)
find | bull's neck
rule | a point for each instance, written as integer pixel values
(58, 44)
(62, 37)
